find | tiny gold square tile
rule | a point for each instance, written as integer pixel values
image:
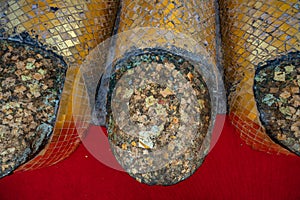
(274, 27)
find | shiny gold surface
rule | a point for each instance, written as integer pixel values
(254, 32)
(183, 27)
(193, 18)
(70, 28)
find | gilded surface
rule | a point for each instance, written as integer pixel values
(254, 32)
(193, 18)
(188, 26)
(70, 28)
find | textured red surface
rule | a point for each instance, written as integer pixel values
(232, 170)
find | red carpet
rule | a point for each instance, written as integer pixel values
(231, 171)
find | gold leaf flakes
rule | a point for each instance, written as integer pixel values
(279, 76)
(175, 120)
(35, 90)
(20, 65)
(124, 146)
(295, 89)
(166, 92)
(31, 60)
(190, 76)
(133, 143)
(37, 76)
(281, 137)
(285, 94)
(274, 90)
(289, 68)
(150, 101)
(20, 89)
(141, 144)
(173, 137)
(25, 78)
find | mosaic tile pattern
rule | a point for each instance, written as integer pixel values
(31, 84)
(188, 25)
(160, 25)
(276, 91)
(71, 29)
(254, 32)
(158, 137)
(195, 18)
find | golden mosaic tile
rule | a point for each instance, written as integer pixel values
(179, 16)
(252, 33)
(71, 29)
(168, 25)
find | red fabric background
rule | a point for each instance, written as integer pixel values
(231, 171)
